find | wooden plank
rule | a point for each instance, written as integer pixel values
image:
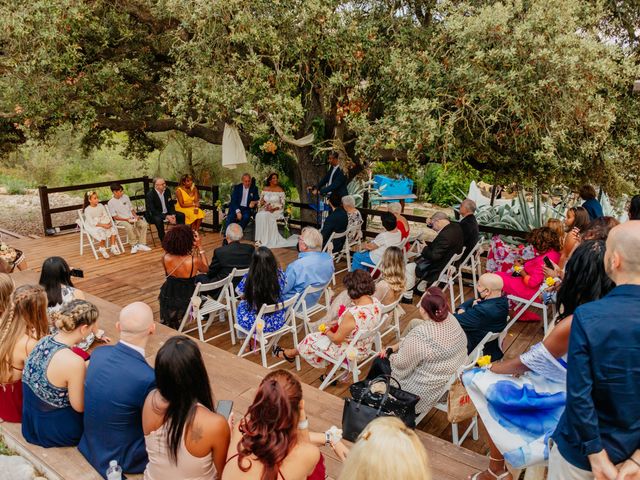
(237, 381)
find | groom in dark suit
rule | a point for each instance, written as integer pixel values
(244, 198)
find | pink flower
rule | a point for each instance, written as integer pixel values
(341, 310)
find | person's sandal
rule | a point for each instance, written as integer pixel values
(501, 476)
(277, 350)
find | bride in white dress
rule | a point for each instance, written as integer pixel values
(271, 209)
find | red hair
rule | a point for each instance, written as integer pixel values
(269, 429)
(435, 304)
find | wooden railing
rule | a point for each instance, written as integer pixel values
(51, 229)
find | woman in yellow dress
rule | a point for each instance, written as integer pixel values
(189, 202)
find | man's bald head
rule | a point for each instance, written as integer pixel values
(622, 258)
(136, 322)
(491, 281)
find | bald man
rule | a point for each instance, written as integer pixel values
(485, 314)
(117, 383)
(599, 431)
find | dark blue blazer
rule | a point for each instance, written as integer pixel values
(337, 222)
(338, 183)
(593, 207)
(117, 383)
(236, 197)
(487, 316)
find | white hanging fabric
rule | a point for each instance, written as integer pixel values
(300, 142)
(233, 153)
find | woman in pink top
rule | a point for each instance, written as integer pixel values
(527, 281)
(184, 436)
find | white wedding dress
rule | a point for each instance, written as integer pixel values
(266, 222)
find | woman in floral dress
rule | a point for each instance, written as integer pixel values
(364, 313)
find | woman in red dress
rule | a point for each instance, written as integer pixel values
(23, 323)
(403, 224)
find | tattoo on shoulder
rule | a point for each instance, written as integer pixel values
(196, 433)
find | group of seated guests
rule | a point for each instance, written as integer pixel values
(162, 421)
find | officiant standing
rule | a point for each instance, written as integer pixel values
(334, 181)
(244, 199)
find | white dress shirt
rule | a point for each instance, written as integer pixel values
(164, 206)
(331, 176)
(138, 349)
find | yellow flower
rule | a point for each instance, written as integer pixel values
(269, 147)
(322, 328)
(550, 281)
(517, 268)
(260, 326)
(484, 361)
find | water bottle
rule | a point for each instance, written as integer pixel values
(114, 472)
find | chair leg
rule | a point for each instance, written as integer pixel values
(200, 331)
(231, 329)
(263, 349)
(474, 432)
(454, 434)
(545, 320)
(245, 344)
(329, 376)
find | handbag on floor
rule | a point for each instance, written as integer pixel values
(376, 398)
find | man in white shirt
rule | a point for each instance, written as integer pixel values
(125, 216)
(244, 198)
(373, 251)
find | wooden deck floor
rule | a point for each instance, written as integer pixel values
(127, 278)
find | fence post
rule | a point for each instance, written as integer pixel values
(215, 195)
(45, 210)
(145, 185)
(365, 205)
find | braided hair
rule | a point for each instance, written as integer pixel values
(26, 315)
(75, 314)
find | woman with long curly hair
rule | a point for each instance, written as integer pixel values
(495, 392)
(53, 379)
(261, 285)
(527, 276)
(182, 260)
(22, 324)
(184, 436)
(272, 441)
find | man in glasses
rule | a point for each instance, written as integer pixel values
(160, 207)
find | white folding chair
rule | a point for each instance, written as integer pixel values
(337, 255)
(416, 243)
(394, 324)
(442, 404)
(348, 360)
(532, 302)
(266, 340)
(119, 229)
(233, 296)
(471, 264)
(447, 277)
(302, 310)
(84, 234)
(202, 305)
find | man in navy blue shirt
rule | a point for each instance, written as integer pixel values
(600, 427)
(591, 203)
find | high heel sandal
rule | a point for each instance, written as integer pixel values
(500, 476)
(277, 350)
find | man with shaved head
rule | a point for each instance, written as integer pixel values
(598, 435)
(487, 313)
(117, 383)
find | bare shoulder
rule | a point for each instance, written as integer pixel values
(211, 421)
(306, 455)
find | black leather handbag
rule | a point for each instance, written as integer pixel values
(366, 405)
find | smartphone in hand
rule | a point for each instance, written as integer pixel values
(548, 262)
(76, 272)
(224, 408)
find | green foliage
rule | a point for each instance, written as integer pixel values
(14, 186)
(443, 185)
(534, 91)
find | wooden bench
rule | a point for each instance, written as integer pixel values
(234, 379)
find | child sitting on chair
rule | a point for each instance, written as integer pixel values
(99, 225)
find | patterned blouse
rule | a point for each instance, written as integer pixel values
(427, 358)
(35, 373)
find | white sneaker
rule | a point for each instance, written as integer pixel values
(134, 249)
(143, 248)
(103, 252)
(114, 250)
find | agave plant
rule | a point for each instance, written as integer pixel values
(520, 214)
(358, 186)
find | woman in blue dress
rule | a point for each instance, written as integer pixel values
(262, 285)
(520, 400)
(53, 379)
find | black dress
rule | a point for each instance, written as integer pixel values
(174, 298)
